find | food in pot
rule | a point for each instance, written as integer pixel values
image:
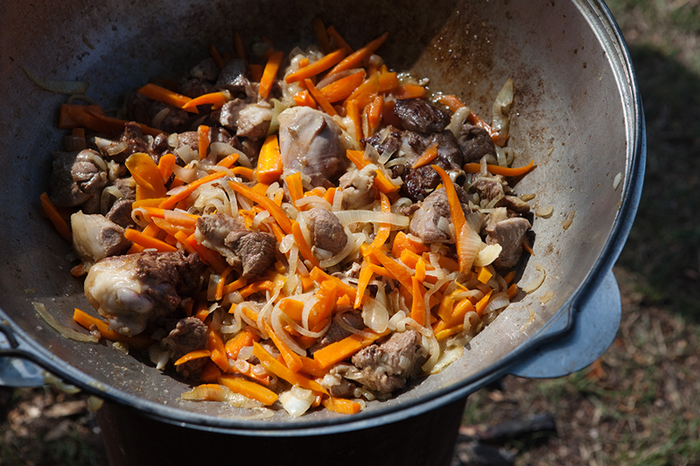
(313, 232)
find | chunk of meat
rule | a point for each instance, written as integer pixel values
(120, 213)
(474, 142)
(190, 334)
(133, 290)
(489, 187)
(514, 204)
(421, 115)
(193, 87)
(326, 230)
(510, 234)
(358, 187)
(254, 120)
(386, 140)
(96, 237)
(230, 111)
(426, 223)
(386, 367)
(310, 142)
(336, 384)
(253, 252)
(233, 79)
(422, 180)
(76, 177)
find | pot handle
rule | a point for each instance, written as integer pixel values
(17, 367)
(587, 332)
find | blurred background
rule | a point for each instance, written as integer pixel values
(639, 404)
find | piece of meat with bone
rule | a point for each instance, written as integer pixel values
(96, 237)
(325, 229)
(253, 252)
(431, 222)
(190, 334)
(474, 142)
(421, 115)
(310, 142)
(254, 120)
(358, 187)
(385, 367)
(510, 234)
(77, 177)
(133, 290)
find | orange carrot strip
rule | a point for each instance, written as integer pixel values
(451, 101)
(269, 73)
(353, 111)
(165, 166)
(319, 276)
(295, 187)
(512, 291)
(355, 59)
(256, 288)
(249, 389)
(228, 161)
(342, 88)
(269, 161)
(322, 35)
(484, 275)
(409, 91)
(320, 98)
(209, 257)
(341, 405)
(498, 170)
(172, 201)
(343, 349)
(366, 274)
(241, 340)
(235, 285)
(420, 270)
(147, 176)
(161, 94)
(339, 41)
(385, 228)
(239, 47)
(312, 367)
(244, 172)
(148, 242)
(219, 293)
(381, 181)
(374, 114)
(216, 99)
(396, 269)
(58, 222)
(304, 248)
(216, 56)
(268, 204)
(92, 117)
(428, 156)
(283, 372)
(325, 303)
(304, 99)
(203, 133)
(322, 64)
(366, 91)
(457, 215)
(388, 82)
(483, 302)
(192, 355)
(86, 320)
(418, 312)
(293, 308)
(388, 114)
(291, 359)
(403, 242)
(210, 373)
(218, 351)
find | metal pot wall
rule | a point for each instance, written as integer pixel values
(577, 113)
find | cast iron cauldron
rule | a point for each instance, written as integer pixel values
(577, 113)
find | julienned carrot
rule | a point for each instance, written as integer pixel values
(343, 349)
(172, 201)
(216, 56)
(366, 91)
(418, 311)
(374, 114)
(283, 372)
(385, 228)
(304, 99)
(319, 276)
(458, 219)
(241, 340)
(256, 288)
(228, 161)
(322, 35)
(269, 161)
(382, 183)
(268, 204)
(420, 270)
(322, 64)
(247, 388)
(355, 59)
(341, 405)
(215, 344)
(451, 101)
(87, 321)
(304, 248)
(484, 275)
(291, 359)
(428, 156)
(61, 225)
(320, 98)
(409, 91)
(498, 170)
(244, 172)
(342, 88)
(399, 272)
(295, 187)
(209, 257)
(293, 308)
(161, 94)
(388, 81)
(203, 141)
(192, 355)
(148, 177)
(312, 367)
(165, 166)
(325, 303)
(366, 274)
(269, 73)
(483, 302)
(219, 293)
(352, 109)
(403, 241)
(148, 242)
(235, 285)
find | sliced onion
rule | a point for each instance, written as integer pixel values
(186, 153)
(488, 254)
(497, 301)
(431, 344)
(375, 316)
(297, 400)
(59, 87)
(62, 329)
(105, 197)
(188, 175)
(501, 111)
(544, 212)
(317, 201)
(221, 149)
(457, 120)
(286, 243)
(348, 217)
(537, 282)
(277, 326)
(470, 245)
(336, 76)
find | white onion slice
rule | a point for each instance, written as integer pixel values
(537, 282)
(347, 217)
(375, 316)
(488, 254)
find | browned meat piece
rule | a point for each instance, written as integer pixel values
(133, 290)
(76, 177)
(336, 384)
(425, 222)
(515, 204)
(232, 78)
(189, 335)
(386, 367)
(489, 187)
(120, 213)
(421, 116)
(95, 237)
(310, 142)
(230, 111)
(254, 120)
(336, 332)
(474, 142)
(422, 180)
(188, 138)
(388, 139)
(326, 230)
(510, 234)
(251, 251)
(194, 87)
(358, 187)
(126, 186)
